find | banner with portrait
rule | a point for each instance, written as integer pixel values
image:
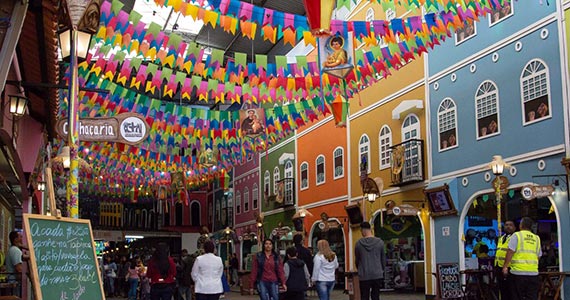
(252, 121)
(336, 54)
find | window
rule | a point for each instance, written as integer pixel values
(487, 107)
(446, 124)
(288, 183)
(535, 89)
(238, 203)
(276, 178)
(364, 153)
(245, 200)
(468, 31)
(385, 141)
(369, 15)
(412, 160)
(266, 184)
(338, 155)
(255, 196)
(499, 14)
(304, 176)
(390, 15)
(195, 214)
(320, 169)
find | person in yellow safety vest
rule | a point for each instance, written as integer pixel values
(504, 282)
(522, 258)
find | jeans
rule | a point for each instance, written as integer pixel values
(324, 289)
(268, 290)
(162, 292)
(185, 292)
(370, 289)
(133, 284)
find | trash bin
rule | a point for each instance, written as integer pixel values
(245, 286)
(352, 285)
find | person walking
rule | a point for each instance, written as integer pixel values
(370, 261)
(303, 253)
(161, 273)
(522, 257)
(234, 267)
(296, 275)
(186, 282)
(267, 272)
(504, 282)
(133, 278)
(207, 274)
(14, 261)
(325, 264)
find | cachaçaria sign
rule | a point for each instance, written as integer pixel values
(128, 128)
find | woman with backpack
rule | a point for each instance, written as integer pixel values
(161, 273)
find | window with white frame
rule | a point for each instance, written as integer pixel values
(238, 203)
(288, 173)
(276, 177)
(364, 153)
(245, 200)
(535, 89)
(487, 109)
(338, 156)
(447, 124)
(304, 176)
(385, 141)
(320, 169)
(266, 184)
(369, 15)
(255, 196)
(412, 160)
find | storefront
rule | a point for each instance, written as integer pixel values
(401, 230)
(332, 230)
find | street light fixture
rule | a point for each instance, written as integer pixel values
(83, 44)
(497, 166)
(41, 186)
(18, 105)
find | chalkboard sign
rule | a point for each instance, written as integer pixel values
(62, 258)
(449, 281)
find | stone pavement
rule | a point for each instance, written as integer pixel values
(336, 295)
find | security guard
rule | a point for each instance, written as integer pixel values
(504, 282)
(522, 257)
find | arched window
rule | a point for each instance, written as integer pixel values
(266, 184)
(364, 153)
(320, 169)
(369, 15)
(412, 159)
(338, 156)
(385, 142)
(195, 213)
(288, 183)
(255, 196)
(276, 177)
(304, 176)
(245, 199)
(487, 109)
(179, 214)
(447, 124)
(238, 203)
(535, 92)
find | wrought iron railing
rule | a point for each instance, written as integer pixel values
(406, 162)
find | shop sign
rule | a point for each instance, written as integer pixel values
(530, 192)
(405, 211)
(127, 128)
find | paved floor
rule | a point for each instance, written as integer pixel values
(336, 295)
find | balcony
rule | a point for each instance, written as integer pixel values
(406, 162)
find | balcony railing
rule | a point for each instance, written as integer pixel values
(406, 162)
(286, 192)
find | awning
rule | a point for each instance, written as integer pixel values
(406, 106)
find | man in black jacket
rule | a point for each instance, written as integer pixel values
(303, 253)
(296, 275)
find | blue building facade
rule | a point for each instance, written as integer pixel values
(499, 89)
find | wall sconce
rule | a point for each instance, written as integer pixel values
(83, 43)
(41, 186)
(18, 105)
(65, 157)
(370, 189)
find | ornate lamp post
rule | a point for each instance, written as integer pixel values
(500, 183)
